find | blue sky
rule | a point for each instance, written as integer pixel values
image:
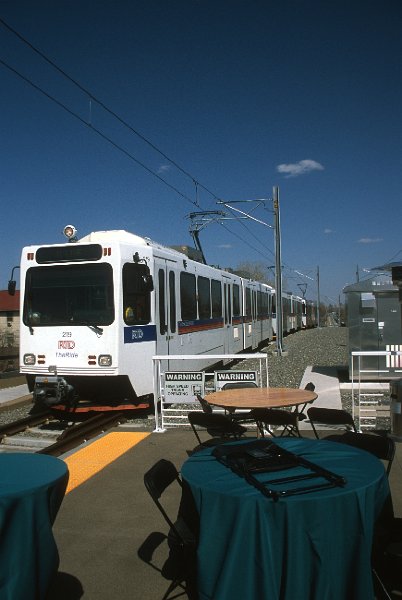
(242, 96)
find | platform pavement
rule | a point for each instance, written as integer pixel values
(9, 394)
(105, 523)
(326, 383)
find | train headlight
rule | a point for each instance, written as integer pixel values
(29, 359)
(104, 360)
(70, 233)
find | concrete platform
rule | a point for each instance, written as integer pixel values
(9, 394)
(326, 384)
(107, 519)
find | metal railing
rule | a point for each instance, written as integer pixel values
(177, 416)
(371, 397)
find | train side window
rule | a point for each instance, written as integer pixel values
(188, 297)
(265, 304)
(136, 296)
(228, 304)
(248, 302)
(162, 311)
(172, 301)
(204, 298)
(216, 290)
(259, 303)
(236, 300)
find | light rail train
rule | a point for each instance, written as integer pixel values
(95, 311)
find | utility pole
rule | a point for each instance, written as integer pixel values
(278, 272)
(318, 296)
(278, 264)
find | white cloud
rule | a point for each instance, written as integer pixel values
(370, 240)
(164, 169)
(300, 168)
(328, 231)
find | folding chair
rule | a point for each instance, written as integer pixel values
(330, 416)
(206, 408)
(181, 540)
(301, 411)
(387, 559)
(219, 426)
(381, 446)
(267, 418)
(240, 417)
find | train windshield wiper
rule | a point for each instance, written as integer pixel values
(98, 330)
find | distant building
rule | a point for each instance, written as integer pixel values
(9, 330)
(374, 321)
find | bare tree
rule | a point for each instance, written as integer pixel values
(256, 271)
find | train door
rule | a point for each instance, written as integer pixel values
(227, 316)
(255, 324)
(165, 308)
(248, 318)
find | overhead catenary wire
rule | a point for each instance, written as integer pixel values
(106, 108)
(89, 124)
(97, 131)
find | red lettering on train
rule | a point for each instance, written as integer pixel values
(66, 344)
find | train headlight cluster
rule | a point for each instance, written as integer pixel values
(70, 232)
(105, 360)
(29, 359)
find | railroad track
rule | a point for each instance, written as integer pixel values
(44, 433)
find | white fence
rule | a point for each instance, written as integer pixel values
(166, 416)
(371, 397)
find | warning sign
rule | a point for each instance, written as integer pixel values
(183, 387)
(224, 377)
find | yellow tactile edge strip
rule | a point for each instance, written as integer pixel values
(88, 461)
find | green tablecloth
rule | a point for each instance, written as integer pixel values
(314, 546)
(32, 487)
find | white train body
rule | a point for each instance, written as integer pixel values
(95, 312)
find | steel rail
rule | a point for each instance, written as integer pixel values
(25, 423)
(78, 434)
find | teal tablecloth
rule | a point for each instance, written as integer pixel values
(32, 487)
(314, 546)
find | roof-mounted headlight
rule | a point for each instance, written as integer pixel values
(70, 232)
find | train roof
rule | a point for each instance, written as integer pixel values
(116, 235)
(125, 237)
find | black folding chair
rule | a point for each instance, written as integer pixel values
(268, 418)
(387, 558)
(330, 417)
(220, 427)
(240, 417)
(301, 411)
(181, 540)
(206, 407)
(381, 446)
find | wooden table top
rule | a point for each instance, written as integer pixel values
(272, 397)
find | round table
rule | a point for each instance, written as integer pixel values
(310, 546)
(271, 397)
(32, 487)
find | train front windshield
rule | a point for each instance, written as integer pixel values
(69, 295)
